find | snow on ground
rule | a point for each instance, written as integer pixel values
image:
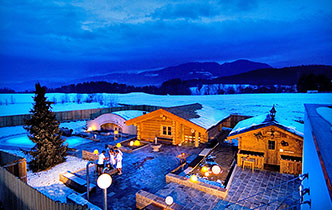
(289, 104)
(77, 126)
(47, 182)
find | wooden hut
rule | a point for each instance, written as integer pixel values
(177, 125)
(269, 141)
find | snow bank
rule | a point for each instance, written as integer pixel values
(47, 182)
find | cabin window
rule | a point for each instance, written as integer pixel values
(272, 145)
(167, 130)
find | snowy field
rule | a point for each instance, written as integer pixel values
(289, 105)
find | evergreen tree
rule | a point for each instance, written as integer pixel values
(45, 133)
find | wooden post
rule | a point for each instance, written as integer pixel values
(196, 139)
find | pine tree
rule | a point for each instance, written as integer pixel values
(44, 131)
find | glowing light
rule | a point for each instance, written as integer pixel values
(118, 145)
(137, 143)
(193, 178)
(216, 169)
(131, 143)
(104, 181)
(204, 169)
(116, 132)
(207, 174)
(169, 200)
(95, 152)
(92, 128)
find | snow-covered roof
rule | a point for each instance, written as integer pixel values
(208, 117)
(202, 115)
(266, 120)
(129, 114)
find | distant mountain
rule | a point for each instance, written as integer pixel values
(186, 71)
(274, 76)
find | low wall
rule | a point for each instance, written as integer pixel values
(85, 114)
(207, 188)
(89, 156)
(144, 198)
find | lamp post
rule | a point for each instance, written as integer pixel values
(104, 181)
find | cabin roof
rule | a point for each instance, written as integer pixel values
(266, 120)
(129, 114)
(203, 116)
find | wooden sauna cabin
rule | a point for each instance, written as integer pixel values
(270, 142)
(182, 125)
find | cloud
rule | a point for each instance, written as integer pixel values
(102, 35)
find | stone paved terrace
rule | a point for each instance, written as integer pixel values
(142, 169)
(244, 184)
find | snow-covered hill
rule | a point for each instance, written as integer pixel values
(290, 105)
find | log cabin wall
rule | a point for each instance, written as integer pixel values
(169, 127)
(274, 142)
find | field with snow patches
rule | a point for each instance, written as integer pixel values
(289, 105)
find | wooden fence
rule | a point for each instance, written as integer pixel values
(232, 120)
(259, 160)
(15, 194)
(14, 164)
(290, 166)
(85, 114)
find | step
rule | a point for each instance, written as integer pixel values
(75, 182)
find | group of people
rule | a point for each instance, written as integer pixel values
(111, 158)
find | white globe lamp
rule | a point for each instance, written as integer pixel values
(216, 169)
(104, 181)
(169, 200)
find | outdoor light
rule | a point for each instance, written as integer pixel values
(131, 143)
(207, 174)
(118, 145)
(104, 181)
(216, 169)
(95, 152)
(137, 143)
(204, 169)
(116, 132)
(193, 178)
(169, 200)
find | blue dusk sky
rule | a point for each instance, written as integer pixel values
(64, 40)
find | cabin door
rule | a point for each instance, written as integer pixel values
(272, 152)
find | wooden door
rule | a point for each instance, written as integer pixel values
(272, 152)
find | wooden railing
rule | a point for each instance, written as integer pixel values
(15, 194)
(290, 167)
(259, 160)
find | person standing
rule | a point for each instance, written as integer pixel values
(100, 163)
(119, 161)
(112, 158)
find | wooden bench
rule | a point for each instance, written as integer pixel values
(164, 140)
(76, 183)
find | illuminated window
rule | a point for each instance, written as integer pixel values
(271, 145)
